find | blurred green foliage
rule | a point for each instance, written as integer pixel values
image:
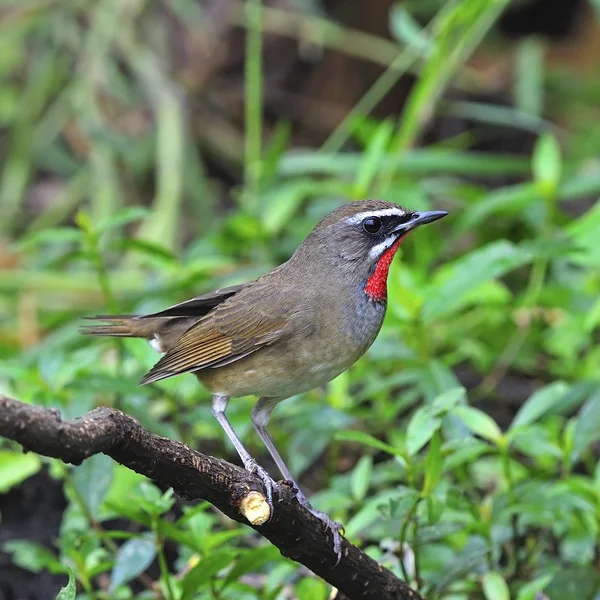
(459, 490)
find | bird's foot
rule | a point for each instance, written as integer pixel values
(270, 484)
(337, 529)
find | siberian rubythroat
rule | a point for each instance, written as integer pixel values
(289, 331)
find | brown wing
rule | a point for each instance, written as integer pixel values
(231, 331)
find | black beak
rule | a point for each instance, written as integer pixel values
(420, 218)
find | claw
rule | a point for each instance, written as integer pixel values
(333, 526)
(268, 482)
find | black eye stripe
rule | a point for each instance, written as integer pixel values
(387, 222)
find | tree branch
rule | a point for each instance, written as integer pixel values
(298, 534)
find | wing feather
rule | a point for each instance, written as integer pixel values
(230, 332)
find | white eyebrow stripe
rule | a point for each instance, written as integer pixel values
(378, 250)
(384, 212)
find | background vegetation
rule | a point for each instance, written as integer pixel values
(155, 150)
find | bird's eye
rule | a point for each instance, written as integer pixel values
(371, 224)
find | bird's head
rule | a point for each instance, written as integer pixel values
(359, 240)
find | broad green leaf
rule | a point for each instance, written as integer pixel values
(539, 403)
(420, 429)
(68, 592)
(349, 435)
(494, 587)
(361, 477)
(204, 571)
(530, 590)
(15, 467)
(93, 479)
(479, 423)
(587, 428)
(449, 291)
(133, 558)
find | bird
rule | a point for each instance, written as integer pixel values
(293, 329)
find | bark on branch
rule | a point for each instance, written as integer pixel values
(298, 534)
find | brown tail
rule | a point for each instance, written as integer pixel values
(116, 325)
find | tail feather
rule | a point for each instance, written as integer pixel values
(116, 325)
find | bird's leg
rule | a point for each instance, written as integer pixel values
(219, 405)
(261, 415)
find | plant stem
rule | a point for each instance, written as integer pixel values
(162, 560)
(253, 104)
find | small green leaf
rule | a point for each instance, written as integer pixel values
(92, 479)
(479, 423)
(123, 217)
(433, 464)
(494, 587)
(539, 403)
(133, 558)
(252, 561)
(32, 556)
(531, 590)
(587, 428)
(349, 435)
(546, 164)
(361, 477)
(420, 429)
(448, 400)
(205, 570)
(15, 467)
(68, 592)
(310, 588)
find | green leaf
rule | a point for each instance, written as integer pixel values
(587, 428)
(539, 403)
(479, 423)
(133, 558)
(349, 435)
(546, 164)
(123, 217)
(310, 588)
(92, 480)
(32, 556)
(252, 561)
(494, 587)
(449, 290)
(201, 574)
(361, 477)
(432, 533)
(433, 464)
(420, 429)
(68, 592)
(448, 400)
(15, 467)
(531, 590)
(407, 30)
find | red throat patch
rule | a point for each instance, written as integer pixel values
(376, 288)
